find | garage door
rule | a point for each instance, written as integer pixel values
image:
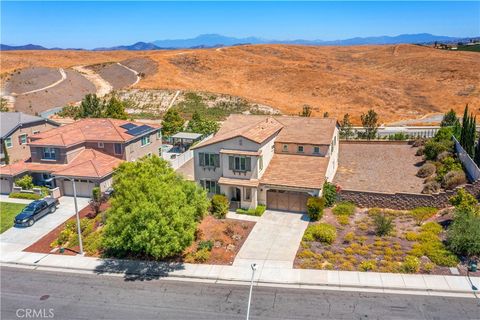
(287, 200)
(84, 188)
(5, 186)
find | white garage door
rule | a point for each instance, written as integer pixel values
(84, 188)
(5, 186)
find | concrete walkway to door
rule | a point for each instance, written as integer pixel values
(274, 240)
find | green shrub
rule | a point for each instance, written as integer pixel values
(202, 255)
(93, 243)
(329, 193)
(426, 170)
(28, 196)
(448, 164)
(205, 244)
(411, 264)
(428, 267)
(463, 199)
(315, 206)
(431, 246)
(219, 206)
(368, 265)
(421, 214)
(25, 182)
(463, 235)
(344, 208)
(454, 179)
(431, 187)
(432, 227)
(383, 224)
(322, 232)
(343, 220)
(411, 236)
(258, 211)
(348, 238)
(433, 148)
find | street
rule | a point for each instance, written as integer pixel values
(61, 295)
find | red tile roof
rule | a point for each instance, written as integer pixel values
(107, 130)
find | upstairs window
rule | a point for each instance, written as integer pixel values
(316, 150)
(239, 163)
(300, 149)
(49, 153)
(260, 163)
(145, 140)
(8, 142)
(285, 148)
(22, 139)
(209, 160)
(118, 148)
(159, 134)
(101, 145)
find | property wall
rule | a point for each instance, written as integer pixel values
(404, 201)
(333, 155)
(135, 150)
(19, 152)
(471, 168)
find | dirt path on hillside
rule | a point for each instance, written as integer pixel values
(63, 78)
(102, 86)
(135, 72)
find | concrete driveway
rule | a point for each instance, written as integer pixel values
(274, 240)
(17, 239)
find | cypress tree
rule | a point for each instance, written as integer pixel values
(464, 131)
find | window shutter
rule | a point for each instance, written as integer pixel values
(248, 164)
(230, 162)
(217, 160)
(217, 189)
(202, 159)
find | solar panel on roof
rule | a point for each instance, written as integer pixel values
(139, 130)
(128, 126)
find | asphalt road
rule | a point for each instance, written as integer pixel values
(79, 296)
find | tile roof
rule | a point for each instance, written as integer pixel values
(10, 121)
(88, 163)
(296, 171)
(241, 152)
(293, 129)
(85, 130)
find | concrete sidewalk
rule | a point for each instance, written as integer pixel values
(297, 278)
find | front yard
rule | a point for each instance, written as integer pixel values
(348, 239)
(8, 212)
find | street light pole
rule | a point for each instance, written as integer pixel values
(79, 230)
(254, 267)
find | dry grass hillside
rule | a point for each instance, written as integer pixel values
(399, 82)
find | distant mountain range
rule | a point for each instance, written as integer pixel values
(216, 40)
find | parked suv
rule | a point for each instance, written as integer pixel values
(35, 210)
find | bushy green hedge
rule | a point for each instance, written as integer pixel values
(315, 206)
(25, 182)
(344, 208)
(322, 232)
(258, 211)
(28, 196)
(329, 193)
(219, 206)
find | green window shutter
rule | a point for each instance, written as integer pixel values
(202, 159)
(248, 164)
(217, 160)
(230, 162)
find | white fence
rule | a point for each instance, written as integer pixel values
(180, 159)
(470, 166)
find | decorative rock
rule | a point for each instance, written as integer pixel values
(236, 237)
(217, 244)
(230, 247)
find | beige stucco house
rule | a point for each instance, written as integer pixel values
(87, 151)
(277, 161)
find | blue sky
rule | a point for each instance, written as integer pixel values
(109, 23)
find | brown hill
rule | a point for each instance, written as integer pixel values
(399, 82)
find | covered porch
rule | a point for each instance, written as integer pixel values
(242, 193)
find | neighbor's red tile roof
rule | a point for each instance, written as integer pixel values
(107, 130)
(296, 171)
(89, 163)
(292, 129)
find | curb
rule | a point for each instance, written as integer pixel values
(242, 282)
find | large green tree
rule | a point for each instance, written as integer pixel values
(449, 119)
(370, 124)
(200, 124)
(91, 107)
(306, 111)
(346, 131)
(154, 211)
(115, 108)
(172, 122)
(463, 235)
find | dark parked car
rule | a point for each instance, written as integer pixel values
(35, 211)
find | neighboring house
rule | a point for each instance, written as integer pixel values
(278, 161)
(88, 151)
(15, 129)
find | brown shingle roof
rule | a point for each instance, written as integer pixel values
(296, 171)
(317, 131)
(85, 130)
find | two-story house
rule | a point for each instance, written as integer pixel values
(87, 151)
(277, 161)
(15, 129)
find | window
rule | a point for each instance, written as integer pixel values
(49, 153)
(247, 195)
(22, 139)
(240, 142)
(145, 140)
(316, 150)
(300, 149)
(210, 186)
(260, 163)
(36, 131)
(239, 163)
(101, 145)
(285, 148)
(160, 151)
(209, 159)
(159, 134)
(149, 154)
(118, 148)
(8, 142)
